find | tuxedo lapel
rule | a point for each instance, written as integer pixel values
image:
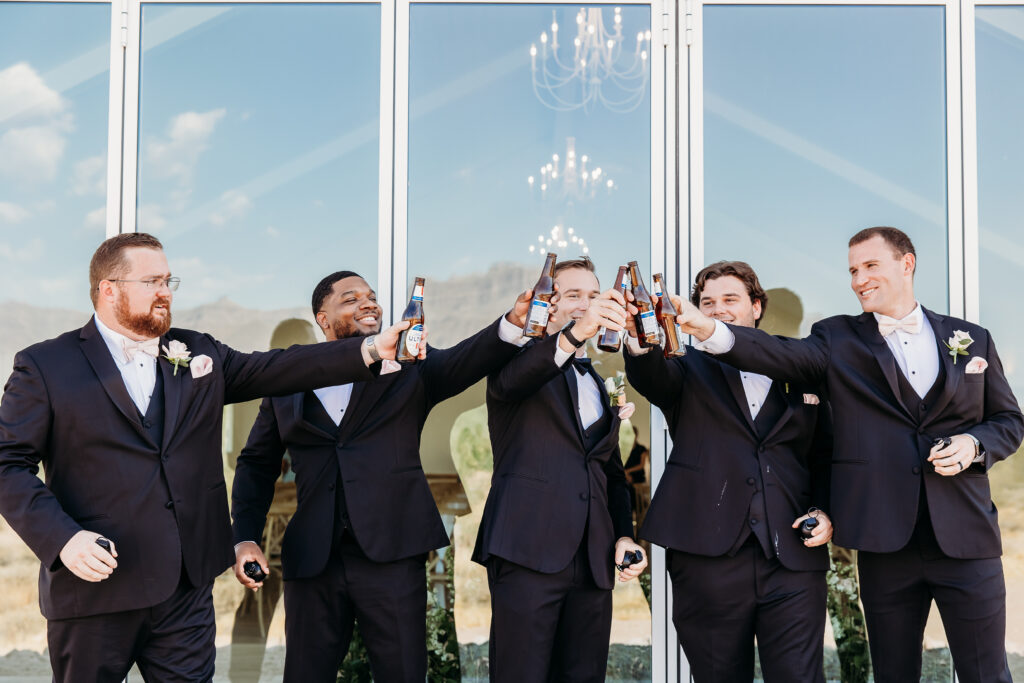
(298, 401)
(735, 383)
(569, 375)
(98, 354)
(867, 329)
(786, 413)
(943, 328)
(364, 396)
(173, 388)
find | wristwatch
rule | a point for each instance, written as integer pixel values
(979, 454)
(372, 349)
(567, 333)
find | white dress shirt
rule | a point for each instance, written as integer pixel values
(755, 386)
(335, 399)
(590, 400)
(139, 374)
(917, 355)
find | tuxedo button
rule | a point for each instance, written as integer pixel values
(163, 458)
(750, 480)
(583, 496)
(760, 449)
(169, 504)
(924, 407)
(753, 522)
(330, 487)
(916, 470)
(147, 424)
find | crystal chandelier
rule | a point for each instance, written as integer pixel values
(601, 70)
(559, 238)
(571, 179)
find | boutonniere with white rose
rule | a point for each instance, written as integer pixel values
(178, 354)
(958, 343)
(616, 387)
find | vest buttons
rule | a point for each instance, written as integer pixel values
(583, 496)
(330, 487)
(760, 449)
(750, 481)
(169, 504)
(916, 470)
(753, 522)
(147, 424)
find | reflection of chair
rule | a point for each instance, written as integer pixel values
(280, 513)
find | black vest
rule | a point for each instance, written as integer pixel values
(153, 420)
(315, 413)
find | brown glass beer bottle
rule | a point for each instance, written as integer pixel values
(666, 314)
(610, 340)
(645, 319)
(409, 341)
(540, 307)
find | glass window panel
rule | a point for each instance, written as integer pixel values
(54, 92)
(498, 166)
(827, 121)
(1000, 61)
(258, 169)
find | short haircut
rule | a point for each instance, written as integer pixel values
(737, 269)
(109, 261)
(323, 289)
(894, 237)
(582, 263)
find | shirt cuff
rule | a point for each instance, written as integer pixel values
(721, 340)
(241, 542)
(561, 356)
(509, 333)
(633, 346)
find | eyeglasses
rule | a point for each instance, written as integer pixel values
(157, 282)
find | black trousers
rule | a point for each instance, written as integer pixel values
(389, 599)
(719, 605)
(548, 627)
(897, 590)
(172, 641)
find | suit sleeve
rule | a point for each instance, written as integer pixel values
(658, 379)
(25, 502)
(279, 372)
(532, 367)
(784, 359)
(619, 503)
(820, 458)
(447, 372)
(257, 469)
(1001, 430)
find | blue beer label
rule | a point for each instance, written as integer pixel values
(417, 293)
(538, 313)
(412, 340)
(649, 324)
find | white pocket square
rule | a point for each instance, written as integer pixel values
(811, 399)
(200, 366)
(976, 366)
(389, 366)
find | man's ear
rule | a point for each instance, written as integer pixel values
(321, 320)
(909, 263)
(757, 309)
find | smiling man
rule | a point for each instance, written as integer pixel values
(558, 516)
(920, 514)
(749, 458)
(356, 548)
(130, 442)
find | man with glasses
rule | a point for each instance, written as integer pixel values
(131, 524)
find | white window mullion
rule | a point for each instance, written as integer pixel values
(969, 115)
(115, 113)
(954, 156)
(386, 183)
(401, 158)
(130, 130)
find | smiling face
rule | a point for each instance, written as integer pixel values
(350, 310)
(881, 278)
(576, 288)
(726, 298)
(131, 307)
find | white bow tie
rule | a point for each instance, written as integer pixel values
(887, 325)
(150, 347)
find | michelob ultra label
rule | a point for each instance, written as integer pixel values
(412, 340)
(539, 312)
(648, 322)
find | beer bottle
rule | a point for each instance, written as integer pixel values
(409, 341)
(540, 307)
(645, 319)
(610, 340)
(666, 314)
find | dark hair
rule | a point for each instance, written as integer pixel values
(323, 289)
(583, 263)
(109, 261)
(894, 237)
(737, 269)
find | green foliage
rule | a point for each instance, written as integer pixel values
(356, 666)
(443, 663)
(847, 617)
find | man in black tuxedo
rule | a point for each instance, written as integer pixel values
(750, 457)
(900, 376)
(558, 515)
(131, 447)
(356, 547)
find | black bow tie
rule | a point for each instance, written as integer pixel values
(581, 364)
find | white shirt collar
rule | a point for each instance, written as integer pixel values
(115, 341)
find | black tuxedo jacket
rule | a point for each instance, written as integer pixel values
(163, 504)
(881, 446)
(391, 511)
(718, 458)
(546, 487)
